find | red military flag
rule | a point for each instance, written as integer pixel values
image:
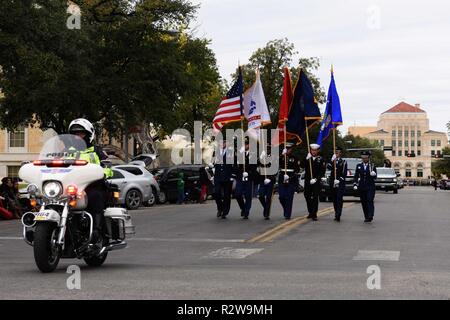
(285, 105)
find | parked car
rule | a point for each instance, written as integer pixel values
(444, 185)
(325, 190)
(137, 186)
(387, 180)
(167, 178)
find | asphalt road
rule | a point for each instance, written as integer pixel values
(185, 252)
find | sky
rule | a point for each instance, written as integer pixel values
(383, 52)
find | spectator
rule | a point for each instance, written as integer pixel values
(180, 188)
(7, 192)
(204, 181)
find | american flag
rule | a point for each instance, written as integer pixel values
(230, 109)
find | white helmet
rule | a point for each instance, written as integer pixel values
(82, 125)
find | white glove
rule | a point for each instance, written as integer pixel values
(242, 150)
(373, 173)
(245, 175)
(211, 179)
(313, 181)
(309, 156)
(262, 156)
(286, 178)
(284, 151)
(267, 181)
(333, 158)
(355, 187)
(231, 179)
(211, 165)
(336, 182)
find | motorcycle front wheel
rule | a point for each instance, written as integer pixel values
(46, 252)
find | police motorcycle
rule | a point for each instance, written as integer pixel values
(61, 227)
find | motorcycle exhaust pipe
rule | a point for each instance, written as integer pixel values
(28, 220)
(116, 246)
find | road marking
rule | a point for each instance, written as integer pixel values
(377, 255)
(285, 227)
(11, 238)
(231, 253)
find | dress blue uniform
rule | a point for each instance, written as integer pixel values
(338, 191)
(312, 191)
(286, 189)
(244, 185)
(223, 184)
(265, 192)
(365, 182)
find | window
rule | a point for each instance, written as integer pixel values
(13, 171)
(400, 143)
(439, 143)
(394, 133)
(413, 133)
(408, 171)
(433, 153)
(407, 143)
(117, 175)
(394, 143)
(382, 143)
(17, 138)
(406, 133)
(413, 143)
(400, 153)
(419, 171)
(419, 153)
(397, 168)
(132, 170)
(433, 143)
(394, 153)
(419, 133)
(419, 143)
(400, 132)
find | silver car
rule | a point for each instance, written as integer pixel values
(137, 186)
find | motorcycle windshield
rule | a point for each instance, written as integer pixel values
(61, 147)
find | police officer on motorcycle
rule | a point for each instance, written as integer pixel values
(96, 192)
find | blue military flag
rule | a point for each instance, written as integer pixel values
(304, 111)
(332, 117)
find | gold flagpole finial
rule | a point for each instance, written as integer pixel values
(332, 69)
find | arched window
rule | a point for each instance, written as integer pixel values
(408, 171)
(419, 171)
(397, 167)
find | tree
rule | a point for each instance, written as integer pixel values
(131, 64)
(442, 166)
(357, 142)
(271, 60)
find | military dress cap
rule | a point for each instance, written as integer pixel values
(339, 149)
(314, 146)
(366, 153)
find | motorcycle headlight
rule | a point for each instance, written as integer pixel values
(32, 190)
(52, 189)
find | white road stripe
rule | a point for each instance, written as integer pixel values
(377, 255)
(231, 253)
(11, 238)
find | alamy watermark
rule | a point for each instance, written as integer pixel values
(74, 280)
(374, 280)
(229, 149)
(74, 20)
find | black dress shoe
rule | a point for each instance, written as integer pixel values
(224, 217)
(245, 218)
(266, 218)
(315, 219)
(242, 213)
(367, 220)
(287, 218)
(337, 219)
(309, 217)
(219, 214)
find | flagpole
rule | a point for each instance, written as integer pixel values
(309, 148)
(242, 124)
(334, 150)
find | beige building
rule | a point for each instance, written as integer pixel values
(414, 146)
(24, 144)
